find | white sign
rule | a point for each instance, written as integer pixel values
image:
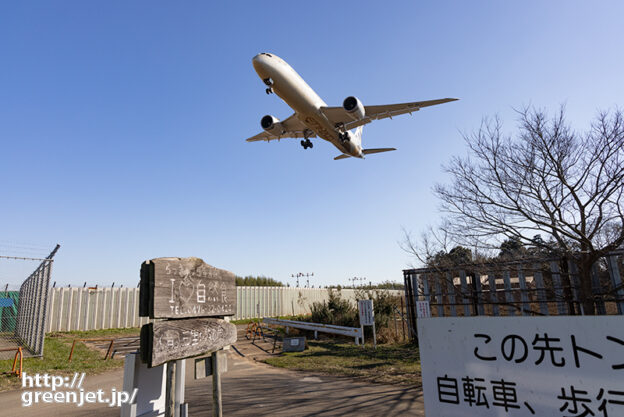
(422, 310)
(523, 366)
(150, 383)
(367, 314)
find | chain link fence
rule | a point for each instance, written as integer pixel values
(23, 312)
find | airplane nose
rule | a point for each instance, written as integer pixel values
(260, 64)
(257, 61)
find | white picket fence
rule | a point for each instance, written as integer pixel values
(108, 308)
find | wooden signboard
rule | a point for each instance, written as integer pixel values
(171, 340)
(185, 287)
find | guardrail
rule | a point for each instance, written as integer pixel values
(355, 332)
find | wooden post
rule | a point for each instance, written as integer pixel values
(216, 386)
(170, 390)
(439, 295)
(402, 321)
(523, 291)
(541, 293)
(464, 290)
(450, 289)
(374, 337)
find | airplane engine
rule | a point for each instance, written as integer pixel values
(354, 107)
(271, 124)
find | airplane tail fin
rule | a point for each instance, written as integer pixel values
(377, 150)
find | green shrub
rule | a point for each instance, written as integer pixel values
(335, 311)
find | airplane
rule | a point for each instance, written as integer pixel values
(341, 126)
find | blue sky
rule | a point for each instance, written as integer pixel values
(122, 125)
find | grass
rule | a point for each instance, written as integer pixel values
(56, 354)
(394, 364)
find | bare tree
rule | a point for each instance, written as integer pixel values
(547, 179)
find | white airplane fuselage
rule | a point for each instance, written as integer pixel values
(290, 87)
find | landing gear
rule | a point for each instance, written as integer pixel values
(307, 144)
(269, 83)
(345, 137)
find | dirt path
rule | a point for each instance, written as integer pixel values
(253, 389)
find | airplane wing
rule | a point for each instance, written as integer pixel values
(338, 115)
(293, 128)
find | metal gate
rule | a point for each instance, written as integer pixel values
(520, 287)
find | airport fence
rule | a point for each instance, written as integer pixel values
(23, 312)
(528, 287)
(91, 308)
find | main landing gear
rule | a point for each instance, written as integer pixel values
(268, 82)
(344, 138)
(307, 144)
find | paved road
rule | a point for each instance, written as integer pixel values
(254, 389)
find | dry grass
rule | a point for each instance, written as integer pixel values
(393, 364)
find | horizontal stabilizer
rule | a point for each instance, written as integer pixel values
(377, 150)
(343, 156)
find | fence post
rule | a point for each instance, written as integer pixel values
(597, 291)
(493, 294)
(450, 289)
(61, 308)
(508, 296)
(425, 282)
(439, 297)
(556, 279)
(464, 289)
(79, 309)
(523, 291)
(539, 284)
(616, 280)
(476, 276)
(69, 308)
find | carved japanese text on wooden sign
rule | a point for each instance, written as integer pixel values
(170, 340)
(185, 287)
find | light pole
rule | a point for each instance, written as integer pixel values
(301, 275)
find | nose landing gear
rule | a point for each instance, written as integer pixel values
(269, 90)
(307, 144)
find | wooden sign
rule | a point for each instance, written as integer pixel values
(171, 340)
(185, 287)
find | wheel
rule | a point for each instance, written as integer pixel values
(304, 144)
(269, 91)
(310, 144)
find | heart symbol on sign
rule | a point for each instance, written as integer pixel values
(187, 288)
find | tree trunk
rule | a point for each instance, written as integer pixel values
(586, 294)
